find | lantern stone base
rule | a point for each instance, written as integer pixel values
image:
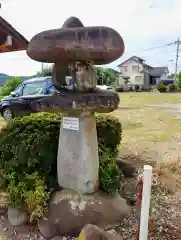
(70, 211)
(78, 162)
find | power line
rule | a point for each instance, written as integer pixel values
(157, 47)
(160, 46)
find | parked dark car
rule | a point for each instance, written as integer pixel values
(18, 103)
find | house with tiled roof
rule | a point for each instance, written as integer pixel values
(136, 72)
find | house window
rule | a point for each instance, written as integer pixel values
(138, 79)
(135, 68)
(124, 69)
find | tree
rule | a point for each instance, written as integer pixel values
(106, 76)
(179, 81)
(172, 75)
(45, 72)
(10, 86)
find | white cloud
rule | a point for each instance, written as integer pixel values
(142, 23)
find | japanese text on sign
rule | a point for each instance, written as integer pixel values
(71, 123)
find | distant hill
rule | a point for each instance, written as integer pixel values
(4, 77)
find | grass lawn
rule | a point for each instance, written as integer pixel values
(2, 123)
(150, 132)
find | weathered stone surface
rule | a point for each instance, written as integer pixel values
(101, 45)
(47, 229)
(70, 211)
(72, 22)
(127, 168)
(83, 76)
(102, 101)
(77, 161)
(17, 217)
(59, 238)
(59, 73)
(92, 232)
(3, 210)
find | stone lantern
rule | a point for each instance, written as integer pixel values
(74, 50)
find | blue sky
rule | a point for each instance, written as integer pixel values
(141, 23)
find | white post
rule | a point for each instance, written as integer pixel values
(145, 206)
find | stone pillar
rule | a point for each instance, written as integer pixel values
(78, 162)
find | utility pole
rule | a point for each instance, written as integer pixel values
(177, 57)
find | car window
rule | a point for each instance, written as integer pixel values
(18, 89)
(52, 89)
(35, 88)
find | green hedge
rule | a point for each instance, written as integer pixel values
(119, 89)
(29, 144)
(161, 87)
(172, 88)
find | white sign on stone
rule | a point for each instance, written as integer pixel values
(71, 123)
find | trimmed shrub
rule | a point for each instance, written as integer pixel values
(29, 144)
(130, 88)
(111, 179)
(172, 87)
(161, 87)
(119, 89)
(137, 88)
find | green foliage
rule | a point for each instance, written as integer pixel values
(3, 180)
(111, 178)
(109, 132)
(15, 189)
(137, 88)
(179, 81)
(35, 196)
(172, 75)
(29, 192)
(119, 89)
(10, 86)
(45, 72)
(29, 145)
(172, 87)
(161, 87)
(106, 76)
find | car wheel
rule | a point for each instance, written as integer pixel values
(7, 114)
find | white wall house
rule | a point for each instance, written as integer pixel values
(135, 71)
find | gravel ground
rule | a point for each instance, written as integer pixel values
(165, 220)
(165, 216)
(26, 232)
